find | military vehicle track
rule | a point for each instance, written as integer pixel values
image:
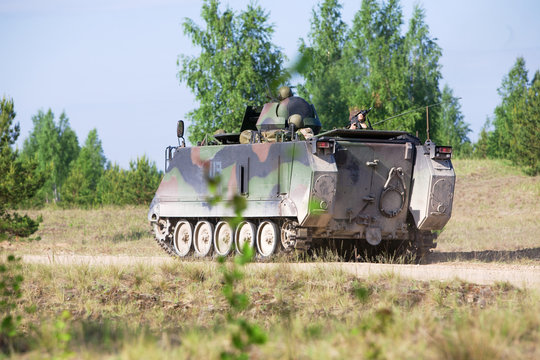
(290, 239)
(268, 239)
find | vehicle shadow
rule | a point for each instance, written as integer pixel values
(483, 255)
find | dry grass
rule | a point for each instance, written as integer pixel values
(108, 230)
(496, 213)
(178, 311)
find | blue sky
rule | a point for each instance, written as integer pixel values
(112, 64)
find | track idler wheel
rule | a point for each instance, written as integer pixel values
(161, 229)
(288, 236)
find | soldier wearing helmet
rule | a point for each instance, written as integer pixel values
(357, 119)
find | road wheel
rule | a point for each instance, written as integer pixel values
(267, 238)
(202, 238)
(223, 238)
(182, 238)
(245, 233)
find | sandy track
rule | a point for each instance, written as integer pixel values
(524, 276)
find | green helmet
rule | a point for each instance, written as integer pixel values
(276, 115)
(284, 92)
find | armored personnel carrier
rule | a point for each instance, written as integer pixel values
(369, 188)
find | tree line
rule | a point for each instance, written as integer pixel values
(514, 131)
(53, 168)
(81, 175)
(368, 64)
(374, 62)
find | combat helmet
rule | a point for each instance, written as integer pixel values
(276, 115)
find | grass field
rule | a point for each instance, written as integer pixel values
(134, 312)
(496, 214)
(178, 310)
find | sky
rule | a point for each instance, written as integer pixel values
(112, 65)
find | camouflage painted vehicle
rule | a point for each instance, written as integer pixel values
(366, 188)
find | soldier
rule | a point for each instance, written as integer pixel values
(357, 119)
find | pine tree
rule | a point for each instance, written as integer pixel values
(527, 129)
(19, 180)
(481, 147)
(112, 186)
(237, 63)
(143, 179)
(80, 187)
(450, 128)
(135, 186)
(513, 91)
(69, 148)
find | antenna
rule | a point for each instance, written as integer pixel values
(427, 122)
(414, 110)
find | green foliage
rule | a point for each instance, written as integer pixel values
(514, 132)
(376, 65)
(237, 60)
(10, 291)
(15, 225)
(513, 91)
(424, 73)
(135, 186)
(54, 147)
(243, 333)
(80, 186)
(111, 187)
(143, 179)
(55, 336)
(9, 132)
(372, 64)
(322, 84)
(78, 175)
(527, 129)
(450, 128)
(19, 179)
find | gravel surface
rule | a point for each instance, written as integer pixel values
(525, 276)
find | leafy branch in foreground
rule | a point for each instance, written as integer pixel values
(243, 333)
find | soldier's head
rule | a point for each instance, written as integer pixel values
(352, 112)
(284, 92)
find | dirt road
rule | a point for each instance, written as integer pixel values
(525, 276)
